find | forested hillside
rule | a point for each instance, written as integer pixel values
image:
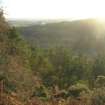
(81, 35)
(35, 75)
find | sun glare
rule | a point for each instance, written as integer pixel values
(100, 20)
(55, 9)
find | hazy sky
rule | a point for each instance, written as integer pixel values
(54, 9)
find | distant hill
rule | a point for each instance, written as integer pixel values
(82, 35)
(21, 23)
(18, 23)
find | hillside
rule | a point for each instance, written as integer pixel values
(82, 35)
(51, 74)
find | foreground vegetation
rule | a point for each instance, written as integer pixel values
(48, 76)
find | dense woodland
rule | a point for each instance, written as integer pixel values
(57, 75)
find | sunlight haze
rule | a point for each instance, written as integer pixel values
(54, 9)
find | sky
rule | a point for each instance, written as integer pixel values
(54, 9)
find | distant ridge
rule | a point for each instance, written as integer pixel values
(86, 35)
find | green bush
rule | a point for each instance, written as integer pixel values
(77, 89)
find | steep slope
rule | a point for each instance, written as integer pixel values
(14, 63)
